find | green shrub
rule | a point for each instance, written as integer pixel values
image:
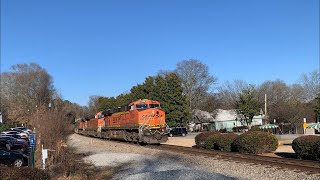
(211, 141)
(224, 130)
(255, 142)
(8, 173)
(255, 128)
(239, 128)
(171, 123)
(225, 141)
(200, 138)
(5, 126)
(307, 147)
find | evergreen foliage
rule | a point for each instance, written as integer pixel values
(248, 104)
(173, 99)
(165, 88)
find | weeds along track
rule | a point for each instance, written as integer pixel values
(309, 167)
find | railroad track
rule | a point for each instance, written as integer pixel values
(308, 167)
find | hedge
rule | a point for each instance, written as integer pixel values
(200, 138)
(225, 141)
(307, 147)
(255, 128)
(211, 141)
(255, 142)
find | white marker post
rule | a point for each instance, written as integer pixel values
(44, 157)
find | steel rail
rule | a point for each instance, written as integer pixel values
(309, 167)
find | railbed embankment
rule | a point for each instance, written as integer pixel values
(139, 162)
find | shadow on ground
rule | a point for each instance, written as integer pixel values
(286, 155)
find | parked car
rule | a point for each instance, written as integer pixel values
(16, 136)
(178, 131)
(24, 129)
(12, 139)
(19, 130)
(12, 158)
(14, 146)
(5, 145)
(10, 132)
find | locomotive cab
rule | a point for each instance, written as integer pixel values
(151, 120)
(144, 104)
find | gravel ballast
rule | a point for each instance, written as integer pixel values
(139, 162)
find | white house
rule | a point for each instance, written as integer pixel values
(221, 119)
(228, 119)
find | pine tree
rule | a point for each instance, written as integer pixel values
(248, 104)
(169, 92)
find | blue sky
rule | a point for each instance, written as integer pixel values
(104, 47)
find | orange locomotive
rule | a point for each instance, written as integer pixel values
(141, 121)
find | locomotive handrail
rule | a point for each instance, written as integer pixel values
(141, 128)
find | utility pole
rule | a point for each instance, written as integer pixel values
(265, 106)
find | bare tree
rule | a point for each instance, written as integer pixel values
(285, 103)
(311, 85)
(229, 92)
(211, 103)
(196, 80)
(27, 86)
(278, 93)
(93, 105)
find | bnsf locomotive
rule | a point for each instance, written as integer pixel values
(141, 121)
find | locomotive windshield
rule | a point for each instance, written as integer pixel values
(142, 106)
(154, 105)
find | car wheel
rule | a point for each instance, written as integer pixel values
(18, 163)
(183, 134)
(170, 135)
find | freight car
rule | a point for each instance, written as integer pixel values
(141, 121)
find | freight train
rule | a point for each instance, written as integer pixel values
(142, 121)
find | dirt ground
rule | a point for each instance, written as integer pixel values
(180, 141)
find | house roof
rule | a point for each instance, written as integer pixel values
(226, 115)
(199, 116)
(219, 115)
